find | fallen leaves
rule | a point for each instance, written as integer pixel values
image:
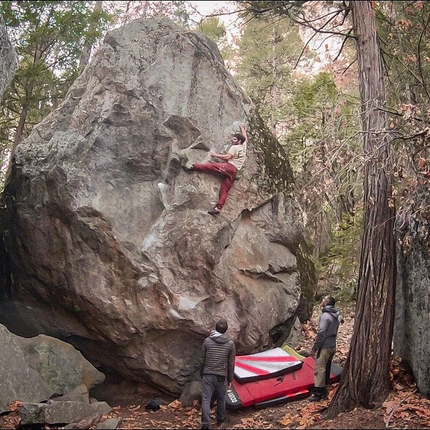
(134, 408)
(253, 422)
(416, 407)
(404, 402)
(286, 420)
(307, 329)
(247, 422)
(306, 417)
(422, 163)
(419, 410)
(176, 404)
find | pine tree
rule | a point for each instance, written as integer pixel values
(49, 37)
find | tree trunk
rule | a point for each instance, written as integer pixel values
(20, 129)
(86, 50)
(365, 379)
(19, 134)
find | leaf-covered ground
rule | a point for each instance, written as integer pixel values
(403, 408)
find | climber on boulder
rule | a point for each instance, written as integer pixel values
(233, 161)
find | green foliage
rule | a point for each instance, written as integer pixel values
(320, 112)
(404, 31)
(259, 8)
(338, 267)
(53, 32)
(326, 157)
(213, 28)
(267, 55)
(317, 123)
(48, 37)
(316, 95)
(127, 11)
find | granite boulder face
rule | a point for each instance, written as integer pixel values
(36, 369)
(412, 324)
(107, 236)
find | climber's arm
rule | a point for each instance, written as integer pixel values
(225, 157)
(243, 132)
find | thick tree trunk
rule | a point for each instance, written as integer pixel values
(365, 380)
(20, 129)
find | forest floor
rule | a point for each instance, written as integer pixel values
(403, 408)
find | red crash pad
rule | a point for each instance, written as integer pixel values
(276, 390)
(266, 364)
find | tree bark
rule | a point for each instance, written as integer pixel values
(365, 379)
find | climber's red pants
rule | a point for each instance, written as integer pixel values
(228, 174)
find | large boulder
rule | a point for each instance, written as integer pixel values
(35, 369)
(19, 380)
(59, 364)
(62, 412)
(412, 323)
(109, 240)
